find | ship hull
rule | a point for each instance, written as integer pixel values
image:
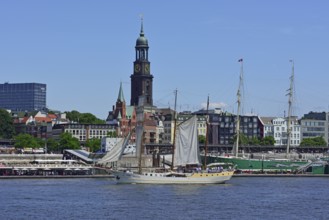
(246, 164)
(169, 178)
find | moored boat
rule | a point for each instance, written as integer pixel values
(186, 160)
(287, 164)
(174, 177)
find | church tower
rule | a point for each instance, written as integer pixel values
(141, 79)
(120, 106)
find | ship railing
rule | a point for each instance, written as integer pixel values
(304, 167)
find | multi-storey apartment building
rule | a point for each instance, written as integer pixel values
(280, 131)
(268, 126)
(315, 124)
(83, 132)
(223, 128)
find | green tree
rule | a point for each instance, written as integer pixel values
(88, 118)
(112, 134)
(68, 142)
(73, 116)
(243, 139)
(6, 125)
(254, 141)
(26, 141)
(268, 141)
(94, 144)
(202, 139)
(316, 141)
(52, 145)
(83, 118)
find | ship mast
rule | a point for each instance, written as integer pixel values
(175, 125)
(206, 142)
(236, 149)
(290, 94)
(140, 131)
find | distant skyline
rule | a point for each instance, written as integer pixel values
(83, 49)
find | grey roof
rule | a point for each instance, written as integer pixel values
(267, 120)
(82, 154)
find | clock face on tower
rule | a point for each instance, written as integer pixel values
(137, 67)
(147, 68)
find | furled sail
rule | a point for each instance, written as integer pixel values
(186, 144)
(116, 152)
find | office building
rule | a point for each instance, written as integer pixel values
(23, 96)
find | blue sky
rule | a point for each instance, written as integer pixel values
(83, 49)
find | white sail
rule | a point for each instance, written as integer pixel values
(186, 143)
(116, 152)
(139, 138)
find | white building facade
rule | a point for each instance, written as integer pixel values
(280, 131)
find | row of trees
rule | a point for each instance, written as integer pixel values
(66, 141)
(83, 118)
(269, 141)
(266, 141)
(317, 141)
(244, 140)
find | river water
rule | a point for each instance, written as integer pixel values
(240, 198)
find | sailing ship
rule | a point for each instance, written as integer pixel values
(186, 160)
(263, 164)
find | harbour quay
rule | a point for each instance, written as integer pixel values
(42, 165)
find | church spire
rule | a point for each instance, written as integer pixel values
(142, 29)
(121, 98)
(141, 79)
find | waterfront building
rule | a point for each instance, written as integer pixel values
(315, 124)
(153, 128)
(37, 124)
(167, 117)
(83, 132)
(280, 131)
(268, 126)
(222, 128)
(23, 96)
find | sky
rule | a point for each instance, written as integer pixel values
(83, 49)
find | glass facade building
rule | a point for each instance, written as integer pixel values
(23, 96)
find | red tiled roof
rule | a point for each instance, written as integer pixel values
(42, 119)
(52, 116)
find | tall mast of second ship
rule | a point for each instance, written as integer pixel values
(236, 149)
(175, 127)
(290, 100)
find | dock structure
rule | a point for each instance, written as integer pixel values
(41, 165)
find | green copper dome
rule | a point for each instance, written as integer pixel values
(141, 41)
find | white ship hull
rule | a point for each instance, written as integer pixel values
(173, 178)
